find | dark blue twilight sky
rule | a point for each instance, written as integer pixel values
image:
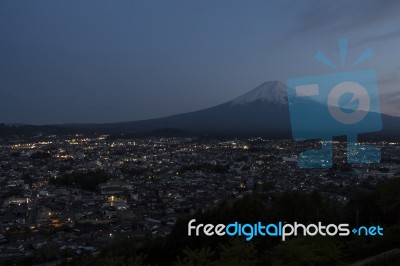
(106, 61)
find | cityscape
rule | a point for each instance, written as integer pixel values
(77, 193)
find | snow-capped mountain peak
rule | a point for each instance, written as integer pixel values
(270, 91)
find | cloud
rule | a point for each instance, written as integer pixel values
(327, 17)
(392, 78)
(379, 37)
(390, 101)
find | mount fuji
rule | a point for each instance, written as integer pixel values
(261, 110)
(269, 92)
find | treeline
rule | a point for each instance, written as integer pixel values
(84, 180)
(380, 206)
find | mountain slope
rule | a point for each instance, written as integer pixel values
(262, 110)
(269, 92)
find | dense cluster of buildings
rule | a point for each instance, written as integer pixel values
(149, 184)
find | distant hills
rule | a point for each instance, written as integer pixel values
(262, 111)
(29, 130)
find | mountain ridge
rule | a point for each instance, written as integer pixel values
(269, 91)
(262, 111)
